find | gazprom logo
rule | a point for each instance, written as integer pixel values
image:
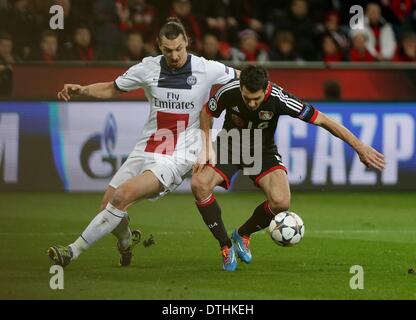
(110, 134)
(104, 145)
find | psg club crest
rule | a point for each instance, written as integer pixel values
(191, 80)
(266, 115)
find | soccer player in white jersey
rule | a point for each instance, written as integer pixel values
(177, 85)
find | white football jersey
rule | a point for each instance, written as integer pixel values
(176, 99)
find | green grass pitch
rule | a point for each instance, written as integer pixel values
(374, 230)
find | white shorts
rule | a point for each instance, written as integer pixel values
(167, 171)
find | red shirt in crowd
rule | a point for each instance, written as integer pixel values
(361, 56)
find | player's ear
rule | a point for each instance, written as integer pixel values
(187, 40)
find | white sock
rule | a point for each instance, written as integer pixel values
(123, 233)
(78, 247)
(103, 223)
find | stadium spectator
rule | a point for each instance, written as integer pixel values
(65, 35)
(319, 9)
(4, 4)
(108, 37)
(81, 10)
(249, 15)
(344, 6)
(298, 21)
(136, 49)
(250, 48)
(406, 52)
(123, 13)
(359, 51)
(82, 48)
(211, 48)
(163, 7)
(48, 48)
(283, 47)
(215, 13)
(6, 65)
(307, 20)
(333, 28)
(5, 9)
(331, 50)
(137, 15)
(225, 18)
(230, 16)
(183, 10)
(24, 27)
(76, 13)
(6, 49)
(381, 39)
(397, 11)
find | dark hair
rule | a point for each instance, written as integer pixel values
(47, 34)
(82, 26)
(5, 36)
(284, 36)
(134, 33)
(254, 78)
(408, 36)
(172, 29)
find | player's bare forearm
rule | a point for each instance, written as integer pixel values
(368, 156)
(104, 90)
(338, 130)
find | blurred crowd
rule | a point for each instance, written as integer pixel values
(236, 30)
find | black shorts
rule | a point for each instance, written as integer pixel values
(271, 161)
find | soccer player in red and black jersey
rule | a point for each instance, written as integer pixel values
(253, 105)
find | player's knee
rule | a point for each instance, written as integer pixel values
(120, 198)
(279, 203)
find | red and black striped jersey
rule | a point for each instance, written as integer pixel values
(277, 102)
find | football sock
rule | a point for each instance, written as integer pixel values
(101, 225)
(123, 233)
(259, 220)
(211, 213)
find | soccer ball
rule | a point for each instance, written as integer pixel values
(287, 229)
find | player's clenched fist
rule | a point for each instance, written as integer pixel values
(69, 90)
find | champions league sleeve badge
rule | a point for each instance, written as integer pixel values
(212, 104)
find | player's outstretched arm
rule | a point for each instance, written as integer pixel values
(370, 157)
(104, 90)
